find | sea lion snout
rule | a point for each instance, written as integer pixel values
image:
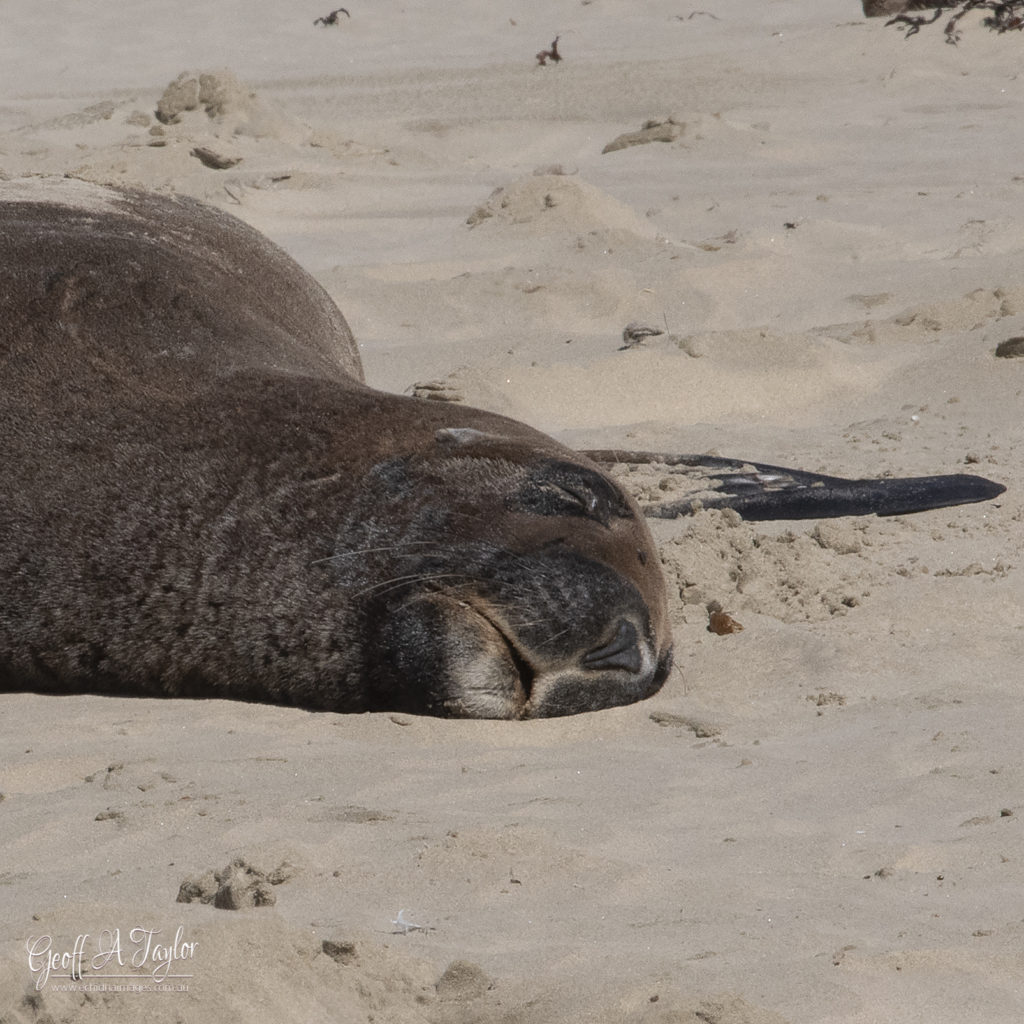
(444, 656)
(626, 668)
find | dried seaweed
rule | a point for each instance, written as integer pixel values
(1004, 16)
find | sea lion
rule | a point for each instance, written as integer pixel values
(204, 499)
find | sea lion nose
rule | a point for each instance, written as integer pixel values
(622, 651)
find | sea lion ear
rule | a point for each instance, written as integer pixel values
(463, 436)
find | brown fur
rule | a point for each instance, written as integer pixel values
(203, 499)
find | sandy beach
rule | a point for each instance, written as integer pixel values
(818, 819)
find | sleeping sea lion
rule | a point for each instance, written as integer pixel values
(202, 498)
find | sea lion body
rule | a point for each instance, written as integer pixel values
(204, 499)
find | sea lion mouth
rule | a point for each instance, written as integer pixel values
(622, 653)
(523, 668)
(619, 671)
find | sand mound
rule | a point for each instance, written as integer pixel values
(794, 576)
(557, 204)
(229, 103)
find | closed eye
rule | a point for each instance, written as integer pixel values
(585, 500)
(557, 488)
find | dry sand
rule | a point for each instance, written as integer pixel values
(819, 818)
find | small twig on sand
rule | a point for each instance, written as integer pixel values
(332, 18)
(550, 54)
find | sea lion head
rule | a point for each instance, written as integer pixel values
(520, 582)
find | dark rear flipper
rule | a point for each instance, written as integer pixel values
(760, 492)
